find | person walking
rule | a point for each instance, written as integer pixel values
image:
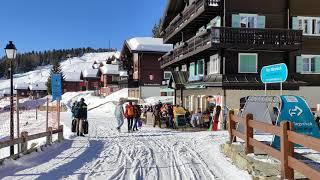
(81, 116)
(170, 116)
(73, 108)
(130, 115)
(119, 114)
(137, 114)
(157, 115)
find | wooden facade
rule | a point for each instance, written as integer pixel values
(228, 29)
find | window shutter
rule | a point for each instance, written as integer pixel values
(261, 22)
(295, 23)
(317, 64)
(235, 20)
(191, 71)
(299, 64)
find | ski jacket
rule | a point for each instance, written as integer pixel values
(137, 111)
(129, 111)
(119, 112)
(82, 110)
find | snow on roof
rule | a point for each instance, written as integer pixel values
(38, 86)
(7, 92)
(72, 76)
(148, 44)
(90, 73)
(21, 86)
(96, 66)
(109, 69)
(123, 73)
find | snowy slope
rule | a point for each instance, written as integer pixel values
(74, 64)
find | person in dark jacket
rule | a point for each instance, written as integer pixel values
(157, 115)
(137, 114)
(81, 115)
(73, 109)
(170, 116)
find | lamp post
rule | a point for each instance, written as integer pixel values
(11, 53)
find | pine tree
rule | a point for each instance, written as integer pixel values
(56, 69)
(156, 30)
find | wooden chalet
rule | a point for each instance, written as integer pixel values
(90, 79)
(220, 47)
(109, 77)
(22, 89)
(140, 58)
(38, 90)
(72, 82)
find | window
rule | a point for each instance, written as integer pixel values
(192, 70)
(308, 64)
(248, 63)
(309, 25)
(248, 20)
(176, 69)
(214, 65)
(166, 75)
(200, 68)
(184, 67)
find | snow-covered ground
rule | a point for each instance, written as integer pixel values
(150, 153)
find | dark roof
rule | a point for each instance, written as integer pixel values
(173, 8)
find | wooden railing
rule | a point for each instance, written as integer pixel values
(183, 18)
(236, 38)
(287, 140)
(22, 141)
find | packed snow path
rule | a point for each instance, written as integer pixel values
(150, 153)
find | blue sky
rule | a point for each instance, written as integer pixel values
(55, 24)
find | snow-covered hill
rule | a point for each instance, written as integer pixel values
(75, 64)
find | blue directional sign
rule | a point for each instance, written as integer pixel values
(56, 86)
(296, 110)
(277, 73)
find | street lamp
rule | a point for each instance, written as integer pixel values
(11, 53)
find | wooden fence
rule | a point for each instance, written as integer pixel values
(288, 138)
(22, 141)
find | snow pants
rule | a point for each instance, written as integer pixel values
(120, 122)
(130, 123)
(79, 126)
(135, 124)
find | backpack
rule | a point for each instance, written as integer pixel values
(130, 111)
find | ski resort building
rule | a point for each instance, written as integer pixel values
(109, 77)
(90, 79)
(38, 90)
(220, 47)
(72, 82)
(140, 58)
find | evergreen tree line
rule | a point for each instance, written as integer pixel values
(25, 62)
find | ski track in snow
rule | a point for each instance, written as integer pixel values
(150, 153)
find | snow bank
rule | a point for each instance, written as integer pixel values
(163, 99)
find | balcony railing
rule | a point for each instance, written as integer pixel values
(237, 39)
(193, 11)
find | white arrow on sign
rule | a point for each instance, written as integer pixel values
(296, 111)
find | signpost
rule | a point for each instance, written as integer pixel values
(56, 86)
(277, 73)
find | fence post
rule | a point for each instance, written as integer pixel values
(232, 125)
(24, 144)
(286, 150)
(248, 134)
(60, 134)
(49, 137)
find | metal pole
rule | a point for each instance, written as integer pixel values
(18, 121)
(11, 108)
(265, 89)
(281, 89)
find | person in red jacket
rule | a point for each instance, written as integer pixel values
(130, 114)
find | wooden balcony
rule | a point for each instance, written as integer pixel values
(194, 17)
(235, 39)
